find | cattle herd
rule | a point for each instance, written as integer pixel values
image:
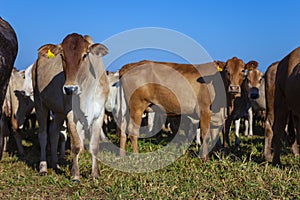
(68, 88)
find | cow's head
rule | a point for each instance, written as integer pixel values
(24, 108)
(74, 52)
(254, 79)
(234, 73)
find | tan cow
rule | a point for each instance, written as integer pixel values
(8, 54)
(70, 80)
(286, 101)
(177, 89)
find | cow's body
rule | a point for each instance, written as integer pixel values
(8, 53)
(27, 85)
(17, 107)
(73, 85)
(286, 102)
(177, 89)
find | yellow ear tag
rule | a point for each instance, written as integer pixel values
(220, 69)
(50, 54)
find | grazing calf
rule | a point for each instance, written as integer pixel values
(8, 54)
(70, 80)
(157, 84)
(286, 102)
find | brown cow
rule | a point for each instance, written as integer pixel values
(70, 80)
(233, 74)
(8, 53)
(177, 89)
(286, 101)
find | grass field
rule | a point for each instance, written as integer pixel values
(240, 174)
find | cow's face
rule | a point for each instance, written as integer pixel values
(254, 80)
(74, 52)
(233, 75)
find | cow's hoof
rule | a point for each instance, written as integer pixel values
(276, 162)
(268, 158)
(76, 181)
(43, 168)
(43, 173)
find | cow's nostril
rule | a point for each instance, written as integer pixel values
(70, 90)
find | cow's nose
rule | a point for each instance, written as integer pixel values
(254, 93)
(234, 89)
(70, 90)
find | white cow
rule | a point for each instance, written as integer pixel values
(70, 80)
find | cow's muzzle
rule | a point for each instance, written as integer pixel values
(71, 90)
(234, 89)
(254, 93)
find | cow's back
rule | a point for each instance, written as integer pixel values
(48, 80)
(158, 81)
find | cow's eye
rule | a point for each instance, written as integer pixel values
(84, 56)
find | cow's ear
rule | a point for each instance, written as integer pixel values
(98, 49)
(251, 65)
(220, 65)
(49, 50)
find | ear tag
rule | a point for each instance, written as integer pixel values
(220, 69)
(50, 54)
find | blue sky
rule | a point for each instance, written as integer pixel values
(259, 30)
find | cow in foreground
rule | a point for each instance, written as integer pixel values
(70, 80)
(177, 89)
(8, 54)
(286, 101)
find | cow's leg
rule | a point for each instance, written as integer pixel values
(96, 130)
(226, 140)
(42, 117)
(237, 130)
(63, 139)
(136, 113)
(123, 137)
(76, 146)
(198, 136)
(280, 120)
(18, 139)
(268, 139)
(1, 136)
(54, 133)
(205, 119)
(295, 145)
(250, 117)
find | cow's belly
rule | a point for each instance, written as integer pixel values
(292, 93)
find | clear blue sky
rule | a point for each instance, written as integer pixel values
(250, 29)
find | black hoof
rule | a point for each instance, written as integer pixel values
(76, 181)
(43, 173)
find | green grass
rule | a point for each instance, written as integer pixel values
(241, 174)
